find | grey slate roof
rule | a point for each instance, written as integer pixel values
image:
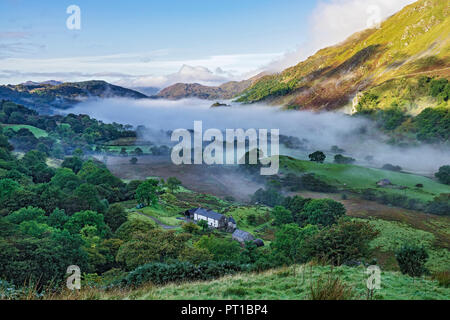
(240, 234)
(208, 213)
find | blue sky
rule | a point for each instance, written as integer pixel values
(155, 43)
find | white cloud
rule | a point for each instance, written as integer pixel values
(187, 74)
(333, 21)
(144, 69)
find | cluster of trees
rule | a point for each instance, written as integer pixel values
(65, 133)
(318, 229)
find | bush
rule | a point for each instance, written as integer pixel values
(391, 167)
(440, 205)
(162, 273)
(411, 260)
(443, 277)
(343, 242)
(340, 159)
(330, 288)
(311, 183)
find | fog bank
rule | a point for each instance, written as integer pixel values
(358, 137)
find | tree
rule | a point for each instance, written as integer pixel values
(134, 160)
(78, 153)
(88, 198)
(317, 156)
(222, 250)
(173, 184)
(411, 260)
(340, 159)
(7, 188)
(269, 197)
(73, 163)
(58, 219)
(66, 180)
(344, 242)
(132, 227)
(195, 255)
(115, 216)
(282, 216)
(443, 174)
(155, 246)
(147, 192)
(295, 205)
(203, 224)
(27, 214)
(138, 152)
(290, 240)
(325, 212)
(190, 227)
(81, 219)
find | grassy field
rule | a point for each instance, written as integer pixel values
(284, 284)
(355, 178)
(38, 133)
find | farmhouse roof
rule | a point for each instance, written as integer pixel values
(244, 235)
(208, 213)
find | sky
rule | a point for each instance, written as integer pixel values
(151, 43)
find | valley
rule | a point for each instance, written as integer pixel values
(87, 176)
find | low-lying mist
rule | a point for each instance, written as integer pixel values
(318, 131)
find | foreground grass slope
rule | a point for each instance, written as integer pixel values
(284, 284)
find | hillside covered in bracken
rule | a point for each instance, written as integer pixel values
(412, 43)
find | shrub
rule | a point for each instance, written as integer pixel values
(411, 260)
(340, 159)
(343, 242)
(443, 277)
(440, 205)
(162, 273)
(391, 167)
(329, 287)
(311, 183)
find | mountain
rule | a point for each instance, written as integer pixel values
(226, 91)
(46, 96)
(412, 43)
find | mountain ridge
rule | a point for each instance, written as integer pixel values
(415, 39)
(45, 97)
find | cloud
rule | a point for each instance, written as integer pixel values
(333, 21)
(139, 69)
(11, 49)
(186, 74)
(14, 35)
